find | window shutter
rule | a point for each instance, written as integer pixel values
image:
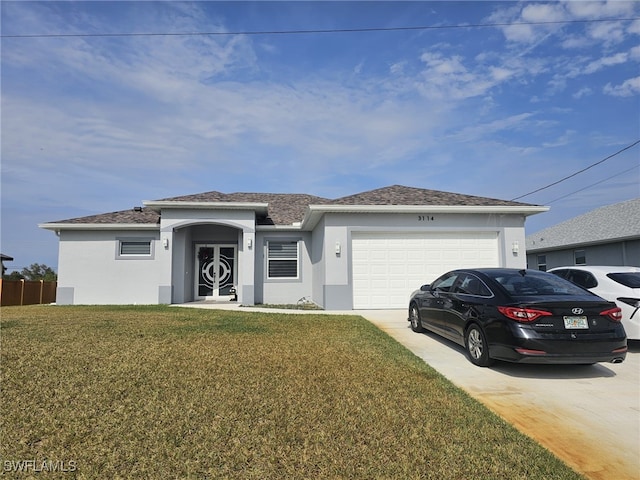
(283, 259)
(135, 248)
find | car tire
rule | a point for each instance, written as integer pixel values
(477, 347)
(414, 318)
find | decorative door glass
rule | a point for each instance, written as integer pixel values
(206, 271)
(216, 270)
(226, 270)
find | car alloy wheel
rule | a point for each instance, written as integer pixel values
(477, 347)
(414, 318)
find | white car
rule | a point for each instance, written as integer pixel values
(617, 284)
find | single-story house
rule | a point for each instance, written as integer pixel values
(364, 251)
(608, 235)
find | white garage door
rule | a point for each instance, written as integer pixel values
(387, 267)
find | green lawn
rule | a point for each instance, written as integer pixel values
(162, 392)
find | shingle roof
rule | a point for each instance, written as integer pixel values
(401, 195)
(605, 224)
(133, 216)
(285, 209)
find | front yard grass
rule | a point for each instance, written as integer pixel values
(165, 392)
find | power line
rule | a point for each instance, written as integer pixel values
(578, 172)
(592, 185)
(299, 32)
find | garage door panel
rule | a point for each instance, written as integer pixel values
(388, 266)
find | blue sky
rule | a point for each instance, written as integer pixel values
(94, 124)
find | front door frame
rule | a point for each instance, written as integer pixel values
(211, 272)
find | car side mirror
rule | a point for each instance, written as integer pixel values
(425, 288)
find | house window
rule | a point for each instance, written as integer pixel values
(134, 248)
(542, 263)
(282, 259)
(580, 257)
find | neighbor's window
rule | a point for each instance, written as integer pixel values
(135, 248)
(542, 263)
(282, 259)
(580, 257)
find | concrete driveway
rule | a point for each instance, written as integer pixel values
(589, 416)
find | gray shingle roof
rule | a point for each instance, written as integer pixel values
(133, 216)
(400, 195)
(285, 209)
(605, 224)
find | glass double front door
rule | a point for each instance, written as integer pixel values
(215, 273)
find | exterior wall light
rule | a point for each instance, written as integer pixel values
(165, 242)
(338, 248)
(515, 248)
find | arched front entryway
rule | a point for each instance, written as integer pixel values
(212, 261)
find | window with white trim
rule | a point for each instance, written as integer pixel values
(282, 259)
(542, 263)
(134, 248)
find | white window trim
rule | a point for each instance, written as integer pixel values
(297, 259)
(124, 256)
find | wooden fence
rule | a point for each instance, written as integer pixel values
(27, 292)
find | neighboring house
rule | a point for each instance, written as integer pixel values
(368, 250)
(609, 235)
(4, 258)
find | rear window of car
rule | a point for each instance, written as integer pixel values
(628, 279)
(534, 283)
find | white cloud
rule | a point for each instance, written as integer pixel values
(482, 130)
(604, 62)
(607, 32)
(583, 92)
(543, 18)
(397, 68)
(628, 88)
(543, 12)
(595, 9)
(562, 140)
(449, 79)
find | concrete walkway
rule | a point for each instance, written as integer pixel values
(589, 416)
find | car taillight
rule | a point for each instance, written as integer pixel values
(614, 314)
(523, 315)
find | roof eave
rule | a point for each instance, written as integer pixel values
(271, 228)
(169, 204)
(586, 243)
(315, 212)
(57, 227)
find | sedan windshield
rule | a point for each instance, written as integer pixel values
(532, 283)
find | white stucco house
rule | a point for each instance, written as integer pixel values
(365, 251)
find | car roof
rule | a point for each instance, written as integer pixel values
(496, 269)
(599, 268)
